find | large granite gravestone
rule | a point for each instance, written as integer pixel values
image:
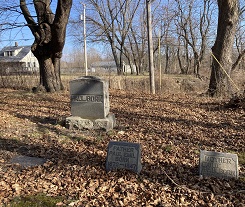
(217, 164)
(123, 155)
(90, 104)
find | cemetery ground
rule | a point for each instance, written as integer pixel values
(172, 129)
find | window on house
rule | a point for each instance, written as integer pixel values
(34, 64)
(9, 53)
(28, 64)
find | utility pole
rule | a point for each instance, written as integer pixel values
(84, 38)
(150, 47)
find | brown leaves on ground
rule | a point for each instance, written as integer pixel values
(170, 128)
(237, 101)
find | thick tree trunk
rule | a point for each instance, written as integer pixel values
(222, 49)
(49, 33)
(50, 79)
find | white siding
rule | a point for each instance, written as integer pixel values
(31, 62)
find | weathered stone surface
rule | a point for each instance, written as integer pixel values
(26, 161)
(75, 122)
(90, 104)
(217, 164)
(108, 123)
(123, 155)
(89, 97)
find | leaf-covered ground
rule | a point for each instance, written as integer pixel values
(170, 128)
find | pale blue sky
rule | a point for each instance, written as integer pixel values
(23, 35)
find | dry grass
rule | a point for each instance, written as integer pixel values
(170, 83)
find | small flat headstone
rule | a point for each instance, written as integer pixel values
(217, 164)
(123, 155)
(26, 161)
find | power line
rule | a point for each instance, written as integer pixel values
(10, 40)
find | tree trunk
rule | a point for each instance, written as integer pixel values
(150, 47)
(222, 49)
(50, 74)
(49, 33)
(167, 59)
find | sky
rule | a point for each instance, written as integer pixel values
(23, 35)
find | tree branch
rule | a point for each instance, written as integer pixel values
(59, 24)
(238, 60)
(30, 21)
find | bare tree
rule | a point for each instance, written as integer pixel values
(166, 23)
(137, 42)
(193, 30)
(49, 32)
(9, 14)
(240, 39)
(110, 22)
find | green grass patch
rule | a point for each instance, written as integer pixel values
(111, 133)
(241, 158)
(39, 200)
(168, 148)
(241, 161)
(240, 155)
(78, 138)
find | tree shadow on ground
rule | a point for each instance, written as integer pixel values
(161, 173)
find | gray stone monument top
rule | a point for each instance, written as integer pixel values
(123, 155)
(90, 104)
(89, 97)
(217, 164)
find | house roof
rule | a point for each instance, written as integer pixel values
(104, 64)
(24, 50)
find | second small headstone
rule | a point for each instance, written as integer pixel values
(218, 164)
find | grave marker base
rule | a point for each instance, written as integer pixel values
(76, 122)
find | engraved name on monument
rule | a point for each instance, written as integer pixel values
(217, 164)
(123, 155)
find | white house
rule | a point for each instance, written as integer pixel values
(18, 60)
(110, 66)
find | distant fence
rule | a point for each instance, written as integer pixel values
(19, 81)
(171, 83)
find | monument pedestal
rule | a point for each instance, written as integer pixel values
(76, 122)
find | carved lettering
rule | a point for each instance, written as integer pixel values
(87, 98)
(218, 159)
(122, 155)
(217, 164)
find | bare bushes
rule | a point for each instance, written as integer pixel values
(237, 101)
(169, 84)
(18, 81)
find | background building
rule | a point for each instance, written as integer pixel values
(18, 60)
